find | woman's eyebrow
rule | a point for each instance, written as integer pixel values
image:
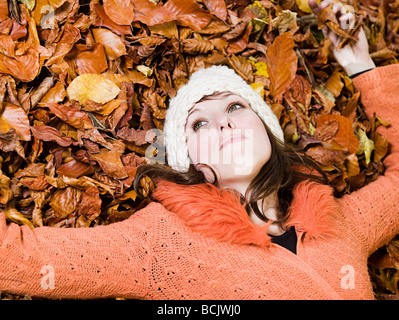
(191, 112)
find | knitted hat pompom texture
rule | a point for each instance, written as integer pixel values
(202, 83)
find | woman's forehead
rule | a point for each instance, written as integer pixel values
(215, 96)
(225, 96)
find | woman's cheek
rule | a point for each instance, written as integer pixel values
(202, 147)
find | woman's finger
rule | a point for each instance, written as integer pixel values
(335, 39)
(347, 21)
(337, 7)
(316, 8)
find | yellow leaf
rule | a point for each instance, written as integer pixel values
(94, 87)
(30, 4)
(258, 87)
(129, 195)
(144, 70)
(258, 10)
(366, 145)
(4, 125)
(261, 69)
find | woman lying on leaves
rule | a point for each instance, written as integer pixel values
(264, 225)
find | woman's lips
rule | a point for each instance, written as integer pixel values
(231, 139)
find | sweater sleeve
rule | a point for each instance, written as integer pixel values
(373, 211)
(77, 263)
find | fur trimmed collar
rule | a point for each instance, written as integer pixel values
(218, 212)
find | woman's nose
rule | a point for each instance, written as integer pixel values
(225, 123)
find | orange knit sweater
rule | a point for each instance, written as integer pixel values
(207, 248)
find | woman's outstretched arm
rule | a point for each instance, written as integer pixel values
(372, 212)
(77, 263)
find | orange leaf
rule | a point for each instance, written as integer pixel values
(217, 7)
(47, 133)
(301, 91)
(150, 14)
(64, 201)
(241, 43)
(16, 117)
(70, 35)
(326, 17)
(54, 95)
(110, 162)
(25, 67)
(104, 21)
(89, 59)
(325, 156)
(37, 183)
(112, 43)
(335, 84)
(3, 10)
(90, 204)
(189, 13)
(281, 62)
(345, 136)
(119, 11)
(196, 46)
(242, 67)
(74, 169)
(70, 115)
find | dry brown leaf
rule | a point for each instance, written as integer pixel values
(47, 133)
(217, 7)
(70, 115)
(195, 46)
(64, 201)
(75, 169)
(138, 137)
(111, 163)
(15, 216)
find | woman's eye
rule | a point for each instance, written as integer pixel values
(197, 125)
(235, 107)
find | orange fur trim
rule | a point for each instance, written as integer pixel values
(219, 213)
(312, 209)
(211, 211)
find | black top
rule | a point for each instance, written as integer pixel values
(359, 73)
(287, 240)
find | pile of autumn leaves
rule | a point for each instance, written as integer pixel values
(83, 83)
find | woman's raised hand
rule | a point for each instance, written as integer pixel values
(354, 57)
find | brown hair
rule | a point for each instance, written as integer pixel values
(286, 167)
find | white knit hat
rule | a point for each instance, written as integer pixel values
(202, 83)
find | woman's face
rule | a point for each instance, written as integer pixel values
(225, 133)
